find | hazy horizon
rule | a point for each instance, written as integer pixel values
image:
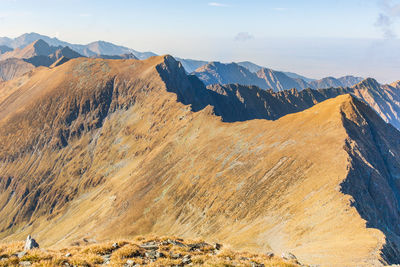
(314, 39)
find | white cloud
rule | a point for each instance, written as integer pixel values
(280, 8)
(243, 37)
(390, 13)
(216, 4)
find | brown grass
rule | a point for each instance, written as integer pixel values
(97, 254)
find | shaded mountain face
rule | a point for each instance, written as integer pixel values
(236, 102)
(37, 48)
(4, 49)
(251, 102)
(279, 81)
(102, 149)
(92, 49)
(39, 53)
(13, 67)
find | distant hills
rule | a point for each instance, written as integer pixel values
(91, 49)
(265, 78)
(18, 61)
(247, 73)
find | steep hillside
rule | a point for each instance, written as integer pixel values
(13, 67)
(279, 81)
(385, 100)
(104, 149)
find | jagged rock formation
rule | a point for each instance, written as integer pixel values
(110, 148)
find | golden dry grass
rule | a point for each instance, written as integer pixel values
(98, 254)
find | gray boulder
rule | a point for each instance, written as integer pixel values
(289, 256)
(30, 243)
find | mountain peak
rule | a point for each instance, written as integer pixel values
(367, 83)
(40, 44)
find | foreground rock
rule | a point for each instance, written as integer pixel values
(142, 251)
(30, 243)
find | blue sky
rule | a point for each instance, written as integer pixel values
(313, 38)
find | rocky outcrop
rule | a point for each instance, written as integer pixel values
(30, 243)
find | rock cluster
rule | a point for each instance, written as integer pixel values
(154, 252)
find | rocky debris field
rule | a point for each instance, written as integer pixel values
(166, 251)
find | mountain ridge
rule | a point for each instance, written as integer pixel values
(136, 147)
(99, 47)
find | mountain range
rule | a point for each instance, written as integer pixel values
(276, 80)
(102, 149)
(246, 73)
(102, 145)
(91, 49)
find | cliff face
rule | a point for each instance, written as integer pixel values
(111, 148)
